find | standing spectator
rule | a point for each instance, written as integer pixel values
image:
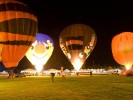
(52, 75)
(90, 73)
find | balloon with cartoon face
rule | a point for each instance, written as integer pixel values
(40, 51)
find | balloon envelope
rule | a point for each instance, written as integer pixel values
(18, 27)
(40, 51)
(77, 42)
(122, 49)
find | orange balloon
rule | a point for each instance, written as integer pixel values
(18, 28)
(122, 48)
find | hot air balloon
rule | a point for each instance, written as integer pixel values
(18, 27)
(122, 49)
(40, 51)
(77, 41)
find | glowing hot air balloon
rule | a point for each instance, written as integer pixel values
(122, 49)
(77, 42)
(18, 27)
(40, 51)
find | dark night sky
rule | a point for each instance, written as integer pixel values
(106, 18)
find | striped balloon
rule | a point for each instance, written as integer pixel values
(77, 42)
(18, 28)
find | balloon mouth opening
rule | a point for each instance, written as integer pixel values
(39, 68)
(77, 64)
(128, 66)
(10, 64)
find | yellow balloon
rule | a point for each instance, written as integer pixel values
(40, 51)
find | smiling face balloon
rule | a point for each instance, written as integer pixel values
(40, 51)
(77, 42)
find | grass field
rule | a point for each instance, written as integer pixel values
(97, 87)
